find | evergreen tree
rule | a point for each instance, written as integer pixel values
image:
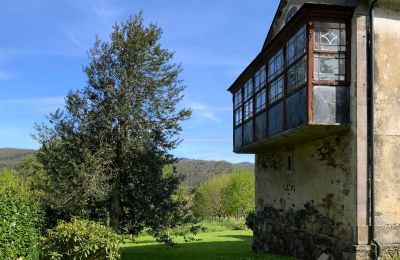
(104, 153)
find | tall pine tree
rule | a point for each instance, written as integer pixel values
(104, 153)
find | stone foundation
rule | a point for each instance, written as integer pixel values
(305, 234)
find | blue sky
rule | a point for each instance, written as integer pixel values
(43, 48)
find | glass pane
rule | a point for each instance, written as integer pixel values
(329, 66)
(238, 116)
(330, 36)
(260, 100)
(275, 64)
(296, 46)
(238, 99)
(297, 75)
(279, 88)
(248, 109)
(260, 78)
(248, 89)
(276, 90)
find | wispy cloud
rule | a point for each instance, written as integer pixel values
(75, 40)
(12, 53)
(30, 105)
(102, 9)
(209, 113)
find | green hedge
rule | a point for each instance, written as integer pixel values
(20, 219)
(81, 239)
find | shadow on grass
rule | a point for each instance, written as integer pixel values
(239, 249)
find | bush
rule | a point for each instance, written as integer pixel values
(81, 239)
(20, 219)
(250, 219)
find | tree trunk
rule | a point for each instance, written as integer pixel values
(115, 204)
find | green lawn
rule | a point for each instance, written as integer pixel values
(226, 244)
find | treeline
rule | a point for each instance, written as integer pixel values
(11, 157)
(196, 172)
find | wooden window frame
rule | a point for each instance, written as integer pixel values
(280, 44)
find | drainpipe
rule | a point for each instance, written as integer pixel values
(371, 127)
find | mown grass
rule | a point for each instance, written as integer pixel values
(219, 242)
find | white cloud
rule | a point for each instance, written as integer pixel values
(203, 111)
(102, 9)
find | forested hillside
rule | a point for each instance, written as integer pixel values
(197, 172)
(10, 157)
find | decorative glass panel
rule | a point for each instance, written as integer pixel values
(330, 36)
(296, 46)
(248, 89)
(248, 109)
(276, 90)
(275, 65)
(297, 75)
(261, 100)
(237, 99)
(260, 78)
(238, 116)
(329, 66)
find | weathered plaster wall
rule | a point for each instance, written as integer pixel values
(309, 209)
(387, 121)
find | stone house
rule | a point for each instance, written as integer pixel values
(319, 106)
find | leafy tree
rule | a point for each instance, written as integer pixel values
(209, 199)
(239, 193)
(104, 153)
(226, 195)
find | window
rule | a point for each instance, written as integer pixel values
(329, 66)
(276, 90)
(330, 36)
(296, 46)
(275, 65)
(297, 75)
(248, 89)
(260, 78)
(261, 100)
(330, 51)
(248, 109)
(237, 99)
(238, 116)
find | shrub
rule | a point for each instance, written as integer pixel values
(250, 219)
(81, 239)
(20, 219)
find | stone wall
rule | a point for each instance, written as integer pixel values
(305, 199)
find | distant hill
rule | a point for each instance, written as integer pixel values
(10, 157)
(195, 172)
